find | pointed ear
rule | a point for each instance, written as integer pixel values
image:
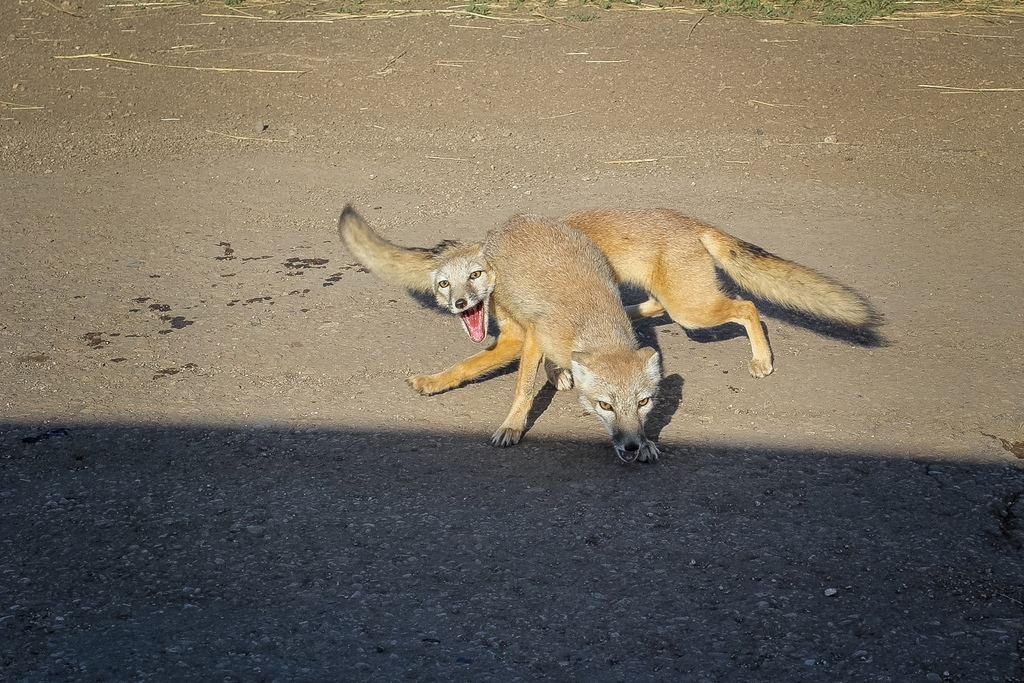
(652, 362)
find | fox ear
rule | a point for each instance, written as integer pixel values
(652, 362)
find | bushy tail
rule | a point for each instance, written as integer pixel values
(409, 267)
(788, 284)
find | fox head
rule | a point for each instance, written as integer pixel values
(619, 387)
(462, 282)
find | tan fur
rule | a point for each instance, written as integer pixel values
(542, 271)
(537, 272)
(673, 257)
(788, 284)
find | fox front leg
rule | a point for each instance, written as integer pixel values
(511, 430)
(505, 350)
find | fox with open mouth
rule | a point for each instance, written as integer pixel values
(462, 284)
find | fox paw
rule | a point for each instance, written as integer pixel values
(648, 452)
(760, 368)
(506, 436)
(424, 385)
(560, 378)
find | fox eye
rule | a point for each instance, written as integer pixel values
(442, 284)
(475, 274)
(644, 401)
(605, 406)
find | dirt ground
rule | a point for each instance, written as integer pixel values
(211, 467)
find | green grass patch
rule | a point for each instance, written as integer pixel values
(754, 8)
(857, 11)
(825, 11)
(481, 8)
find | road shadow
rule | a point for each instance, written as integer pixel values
(178, 552)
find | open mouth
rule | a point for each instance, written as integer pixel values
(627, 456)
(647, 452)
(475, 321)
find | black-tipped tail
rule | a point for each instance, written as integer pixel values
(409, 267)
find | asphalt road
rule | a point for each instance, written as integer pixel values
(164, 554)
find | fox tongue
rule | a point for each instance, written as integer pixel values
(475, 321)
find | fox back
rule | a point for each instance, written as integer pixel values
(557, 279)
(662, 249)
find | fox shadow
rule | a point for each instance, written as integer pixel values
(427, 300)
(869, 337)
(670, 395)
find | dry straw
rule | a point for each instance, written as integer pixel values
(20, 107)
(242, 137)
(518, 11)
(109, 58)
(954, 90)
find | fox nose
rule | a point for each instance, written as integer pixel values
(460, 303)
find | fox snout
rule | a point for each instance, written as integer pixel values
(628, 451)
(460, 304)
(631, 448)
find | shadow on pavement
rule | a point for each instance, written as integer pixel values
(134, 552)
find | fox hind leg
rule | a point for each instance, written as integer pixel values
(719, 311)
(647, 309)
(745, 313)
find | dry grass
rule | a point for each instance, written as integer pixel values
(111, 58)
(503, 11)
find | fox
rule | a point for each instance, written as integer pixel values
(532, 273)
(672, 257)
